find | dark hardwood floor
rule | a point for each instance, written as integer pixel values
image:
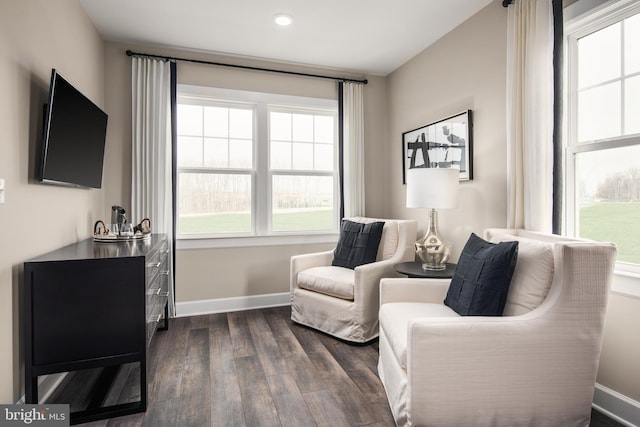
(250, 368)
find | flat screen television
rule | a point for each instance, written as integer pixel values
(74, 136)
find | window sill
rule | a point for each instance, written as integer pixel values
(254, 241)
(626, 281)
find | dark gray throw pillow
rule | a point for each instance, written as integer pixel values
(358, 243)
(481, 281)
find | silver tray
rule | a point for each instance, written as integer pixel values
(112, 238)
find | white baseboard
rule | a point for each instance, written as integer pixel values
(223, 305)
(616, 406)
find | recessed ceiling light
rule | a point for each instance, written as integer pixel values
(283, 19)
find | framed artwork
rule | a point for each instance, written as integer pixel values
(444, 144)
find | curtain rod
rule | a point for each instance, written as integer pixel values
(506, 3)
(244, 67)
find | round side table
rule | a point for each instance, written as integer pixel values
(414, 270)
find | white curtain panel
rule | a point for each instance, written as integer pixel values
(530, 114)
(151, 181)
(353, 150)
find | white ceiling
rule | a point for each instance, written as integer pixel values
(364, 36)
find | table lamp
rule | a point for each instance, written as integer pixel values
(432, 188)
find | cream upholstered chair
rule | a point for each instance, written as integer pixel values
(344, 302)
(535, 365)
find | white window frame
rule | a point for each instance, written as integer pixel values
(261, 172)
(594, 20)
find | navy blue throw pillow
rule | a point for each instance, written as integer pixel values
(358, 243)
(481, 281)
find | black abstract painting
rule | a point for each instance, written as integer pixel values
(444, 144)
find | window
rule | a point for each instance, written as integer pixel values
(603, 138)
(215, 165)
(255, 164)
(302, 147)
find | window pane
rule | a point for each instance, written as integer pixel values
(608, 204)
(312, 136)
(303, 127)
(324, 130)
(240, 153)
(599, 112)
(323, 155)
(632, 44)
(189, 151)
(214, 203)
(599, 56)
(216, 152)
(280, 126)
(302, 156)
(302, 203)
(280, 155)
(189, 119)
(632, 105)
(216, 121)
(240, 123)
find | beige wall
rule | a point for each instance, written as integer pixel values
(35, 36)
(204, 274)
(463, 70)
(619, 369)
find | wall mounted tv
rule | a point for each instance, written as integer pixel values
(73, 139)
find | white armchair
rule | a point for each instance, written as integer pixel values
(344, 302)
(535, 365)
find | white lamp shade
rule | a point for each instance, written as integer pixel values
(432, 188)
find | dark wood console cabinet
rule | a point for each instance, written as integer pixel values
(94, 305)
